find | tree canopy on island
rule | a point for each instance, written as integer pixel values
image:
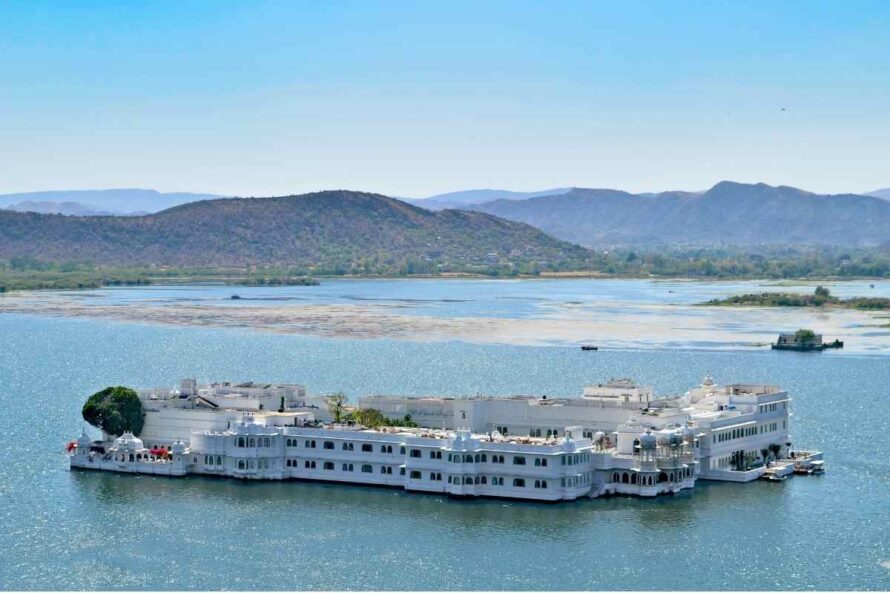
(821, 297)
(115, 410)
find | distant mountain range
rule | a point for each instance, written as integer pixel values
(460, 199)
(66, 208)
(730, 214)
(330, 232)
(884, 194)
(98, 202)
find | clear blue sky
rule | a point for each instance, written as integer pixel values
(411, 99)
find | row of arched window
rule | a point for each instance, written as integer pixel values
(575, 481)
(366, 468)
(736, 433)
(253, 464)
(242, 442)
(575, 458)
(536, 432)
(650, 480)
(484, 480)
(346, 446)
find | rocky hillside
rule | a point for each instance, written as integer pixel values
(334, 232)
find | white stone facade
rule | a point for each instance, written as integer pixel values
(615, 439)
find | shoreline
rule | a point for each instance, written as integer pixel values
(233, 280)
(608, 323)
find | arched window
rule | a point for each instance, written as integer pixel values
(518, 483)
(543, 483)
(476, 480)
(252, 443)
(625, 478)
(484, 458)
(537, 462)
(218, 460)
(633, 478)
(544, 462)
(367, 448)
(240, 464)
(241, 441)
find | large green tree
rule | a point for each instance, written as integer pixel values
(115, 410)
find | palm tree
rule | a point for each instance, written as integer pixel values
(335, 405)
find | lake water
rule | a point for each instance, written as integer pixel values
(76, 530)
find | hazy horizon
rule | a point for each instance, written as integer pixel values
(265, 98)
(423, 197)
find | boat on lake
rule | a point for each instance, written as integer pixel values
(804, 340)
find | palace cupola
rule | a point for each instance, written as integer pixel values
(647, 451)
(129, 447)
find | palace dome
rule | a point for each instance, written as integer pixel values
(647, 440)
(665, 437)
(128, 442)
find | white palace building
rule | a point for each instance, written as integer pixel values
(617, 438)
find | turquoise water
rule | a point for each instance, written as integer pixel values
(468, 298)
(66, 530)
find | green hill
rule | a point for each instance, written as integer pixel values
(324, 232)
